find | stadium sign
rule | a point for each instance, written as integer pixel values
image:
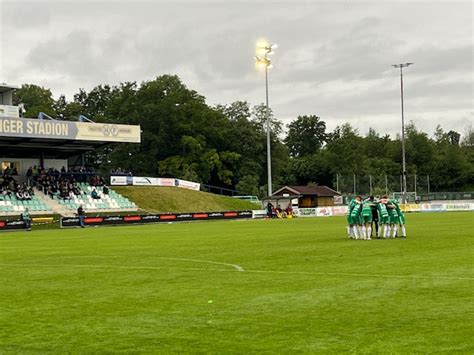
(52, 129)
(9, 111)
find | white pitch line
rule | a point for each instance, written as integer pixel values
(112, 267)
(235, 266)
(359, 274)
(246, 271)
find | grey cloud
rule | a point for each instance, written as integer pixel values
(333, 58)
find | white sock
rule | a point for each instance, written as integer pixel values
(369, 232)
(380, 231)
(364, 232)
(394, 230)
(386, 232)
(404, 233)
(348, 231)
(356, 234)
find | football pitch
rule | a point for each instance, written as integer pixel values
(278, 286)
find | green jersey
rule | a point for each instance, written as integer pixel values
(383, 210)
(366, 208)
(356, 210)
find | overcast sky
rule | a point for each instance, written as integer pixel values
(333, 58)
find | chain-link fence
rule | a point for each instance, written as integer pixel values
(381, 184)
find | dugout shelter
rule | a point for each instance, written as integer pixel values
(307, 196)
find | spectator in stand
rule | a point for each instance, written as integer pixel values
(63, 170)
(105, 190)
(29, 176)
(19, 196)
(26, 195)
(94, 194)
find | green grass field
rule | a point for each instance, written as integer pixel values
(177, 288)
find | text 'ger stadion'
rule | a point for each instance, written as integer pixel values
(36, 128)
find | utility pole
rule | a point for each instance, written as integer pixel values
(404, 170)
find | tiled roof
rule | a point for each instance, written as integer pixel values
(323, 191)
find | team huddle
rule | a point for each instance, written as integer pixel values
(384, 214)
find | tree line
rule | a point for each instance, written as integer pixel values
(225, 145)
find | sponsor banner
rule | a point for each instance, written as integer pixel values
(118, 180)
(53, 129)
(166, 182)
(153, 218)
(410, 207)
(323, 211)
(433, 207)
(339, 210)
(305, 212)
(188, 184)
(338, 200)
(458, 206)
(143, 181)
(9, 111)
(12, 225)
(259, 213)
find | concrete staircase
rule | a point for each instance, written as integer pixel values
(55, 206)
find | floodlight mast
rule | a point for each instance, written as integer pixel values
(404, 170)
(265, 62)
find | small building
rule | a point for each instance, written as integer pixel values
(308, 196)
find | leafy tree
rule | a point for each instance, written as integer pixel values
(259, 116)
(306, 135)
(36, 99)
(248, 185)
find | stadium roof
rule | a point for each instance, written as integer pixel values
(51, 148)
(4, 87)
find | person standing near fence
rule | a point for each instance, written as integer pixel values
(25, 217)
(81, 215)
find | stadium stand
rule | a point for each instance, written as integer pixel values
(9, 204)
(107, 202)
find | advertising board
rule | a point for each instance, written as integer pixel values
(144, 181)
(188, 184)
(154, 218)
(118, 180)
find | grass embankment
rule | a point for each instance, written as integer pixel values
(173, 199)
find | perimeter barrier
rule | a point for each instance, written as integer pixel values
(153, 218)
(65, 222)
